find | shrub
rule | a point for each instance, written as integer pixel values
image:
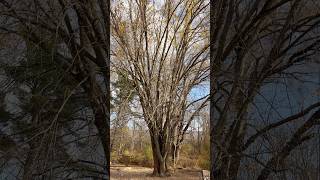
(114, 157)
(148, 155)
(137, 158)
(187, 162)
(125, 158)
(203, 162)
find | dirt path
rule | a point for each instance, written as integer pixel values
(136, 173)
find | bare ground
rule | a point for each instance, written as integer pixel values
(121, 172)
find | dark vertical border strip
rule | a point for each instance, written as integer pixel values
(107, 19)
(318, 174)
(105, 8)
(211, 90)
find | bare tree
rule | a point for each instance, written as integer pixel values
(77, 34)
(163, 48)
(254, 44)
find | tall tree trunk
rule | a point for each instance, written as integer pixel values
(175, 151)
(133, 137)
(159, 158)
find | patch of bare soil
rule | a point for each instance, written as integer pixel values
(144, 173)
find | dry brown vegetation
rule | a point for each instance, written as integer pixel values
(138, 173)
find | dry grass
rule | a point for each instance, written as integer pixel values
(136, 173)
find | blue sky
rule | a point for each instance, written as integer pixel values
(200, 91)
